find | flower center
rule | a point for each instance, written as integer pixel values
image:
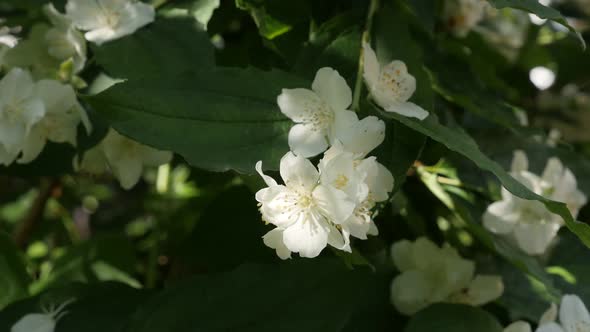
(305, 201)
(319, 114)
(341, 181)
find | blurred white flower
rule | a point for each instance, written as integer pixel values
(531, 224)
(460, 16)
(305, 212)
(518, 326)
(430, 274)
(391, 85)
(124, 157)
(60, 122)
(63, 40)
(316, 112)
(20, 109)
(106, 20)
(41, 322)
(6, 37)
(573, 317)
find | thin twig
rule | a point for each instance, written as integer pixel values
(358, 85)
(26, 227)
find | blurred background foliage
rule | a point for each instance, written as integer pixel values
(182, 251)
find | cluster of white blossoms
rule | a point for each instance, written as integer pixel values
(431, 274)
(460, 16)
(328, 204)
(32, 113)
(573, 317)
(124, 157)
(529, 222)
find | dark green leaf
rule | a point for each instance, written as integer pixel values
(14, 279)
(453, 317)
(301, 295)
(167, 47)
(219, 119)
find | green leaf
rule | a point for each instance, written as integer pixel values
(275, 17)
(299, 295)
(14, 279)
(218, 119)
(453, 317)
(535, 7)
(459, 141)
(169, 46)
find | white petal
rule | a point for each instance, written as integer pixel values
(33, 145)
(16, 85)
(362, 136)
(379, 178)
(154, 157)
(86, 15)
(332, 88)
(550, 315)
(549, 327)
(101, 35)
(127, 169)
(484, 289)
(500, 217)
(519, 326)
(553, 171)
(534, 238)
(34, 323)
(333, 203)
(299, 105)
(277, 206)
(573, 314)
(337, 240)
(267, 179)
(274, 240)
(306, 141)
(403, 256)
(57, 97)
(520, 162)
(407, 109)
(93, 161)
(307, 237)
(134, 16)
(298, 172)
(371, 66)
(411, 291)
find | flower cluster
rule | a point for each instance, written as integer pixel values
(529, 222)
(573, 317)
(37, 107)
(431, 274)
(325, 205)
(32, 113)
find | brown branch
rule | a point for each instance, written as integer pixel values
(26, 227)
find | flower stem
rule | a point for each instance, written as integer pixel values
(366, 37)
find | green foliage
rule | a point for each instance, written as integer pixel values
(200, 116)
(452, 317)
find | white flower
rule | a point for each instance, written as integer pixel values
(20, 110)
(573, 317)
(304, 211)
(125, 157)
(391, 85)
(462, 15)
(106, 20)
(365, 182)
(60, 122)
(532, 225)
(316, 112)
(430, 274)
(41, 322)
(63, 40)
(358, 137)
(518, 326)
(6, 37)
